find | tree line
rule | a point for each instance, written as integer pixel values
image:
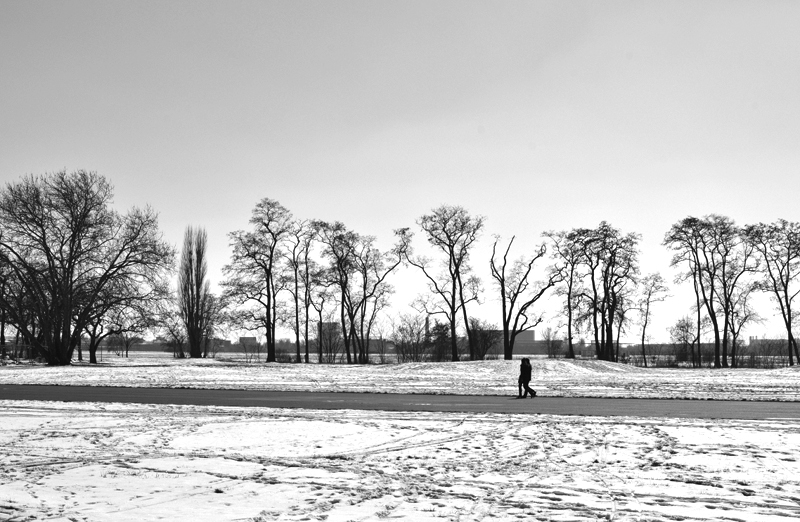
(73, 269)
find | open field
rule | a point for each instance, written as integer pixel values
(551, 377)
(116, 462)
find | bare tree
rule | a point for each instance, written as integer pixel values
(485, 335)
(170, 326)
(372, 268)
(339, 244)
(627, 304)
(718, 258)
(297, 256)
(255, 272)
(410, 336)
(778, 245)
(4, 276)
(685, 240)
(452, 231)
(682, 335)
(739, 260)
(567, 254)
(552, 342)
(516, 295)
(123, 308)
(64, 247)
(653, 289)
(319, 293)
(742, 314)
(610, 259)
(329, 338)
(359, 270)
(309, 270)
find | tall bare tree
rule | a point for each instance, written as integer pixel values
(372, 268)
(360, 272)
(309, 276)
(339, 243)
(452, 231)
(255, 274)
(685, 240)
(610, 260)
(567, 255)
(718, 260)
(298, 244)
(517, 297)
(738, 262)
(778, 245)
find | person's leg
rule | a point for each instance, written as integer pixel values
(519, 394)
(529, 390)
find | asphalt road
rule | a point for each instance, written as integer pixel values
(705, 409)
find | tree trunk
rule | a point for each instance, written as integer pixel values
(297, 316)
(306, 333)
(644, 352)
(792, 344)
(508, 348)
(453, 339)
(345, 333)
(92, 353)
(725, 338)
(319, 338)
(570, 346)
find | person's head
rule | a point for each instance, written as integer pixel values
(526, 361)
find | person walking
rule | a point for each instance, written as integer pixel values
(525, 370)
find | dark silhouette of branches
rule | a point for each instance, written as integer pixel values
(516, 295)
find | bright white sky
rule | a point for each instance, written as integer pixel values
(538, 115)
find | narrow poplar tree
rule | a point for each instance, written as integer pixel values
(193, 289)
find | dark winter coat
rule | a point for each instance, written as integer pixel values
(525, 373)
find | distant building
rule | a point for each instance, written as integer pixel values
(221, 343)
(755, 342)
(525, 343)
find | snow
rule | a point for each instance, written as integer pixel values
(120, 462)
(551, 377)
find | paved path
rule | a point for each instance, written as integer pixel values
(398, 402)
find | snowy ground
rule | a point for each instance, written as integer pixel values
(551, 377)
(114, 462)
(132, 463)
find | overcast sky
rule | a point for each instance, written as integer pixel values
(538, 115)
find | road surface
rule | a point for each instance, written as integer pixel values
(705, 409)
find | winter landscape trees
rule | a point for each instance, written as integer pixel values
(254, 275)
(516, 300)
(195, 301)
(452, 231)
(778, 246)
(70, 261)
(718, 260)
(75, 273)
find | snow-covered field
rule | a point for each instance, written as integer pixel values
(115, 462)
(551, 377)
